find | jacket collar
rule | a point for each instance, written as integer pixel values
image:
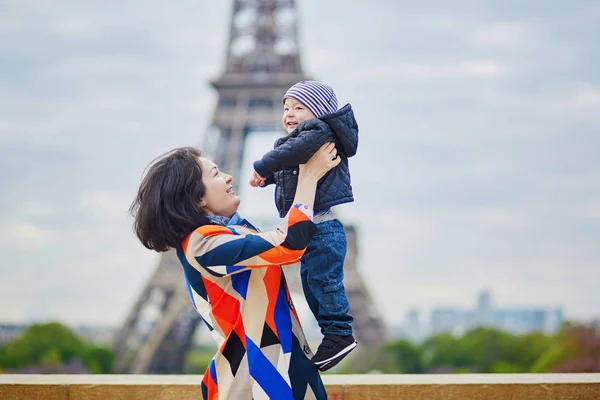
(236, 219)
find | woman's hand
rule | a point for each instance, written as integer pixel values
(321, 162)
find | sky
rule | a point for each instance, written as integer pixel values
(477, 166)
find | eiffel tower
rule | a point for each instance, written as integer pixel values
(263, 60)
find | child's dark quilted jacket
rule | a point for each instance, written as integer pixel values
(280, 165)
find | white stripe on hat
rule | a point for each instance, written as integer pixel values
(317, 96)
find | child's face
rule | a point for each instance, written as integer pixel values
(294, 112)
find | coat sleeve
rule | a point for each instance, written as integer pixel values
(269, 180)
(295, 150)
(222, 251)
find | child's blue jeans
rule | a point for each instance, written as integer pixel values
(322, 273)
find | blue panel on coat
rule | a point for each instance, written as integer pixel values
(240, 282)
(265, 373)
(283, 320)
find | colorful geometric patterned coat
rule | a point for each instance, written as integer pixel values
(237, 285)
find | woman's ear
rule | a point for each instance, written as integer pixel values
(203, 206)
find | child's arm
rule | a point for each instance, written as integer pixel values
(261, 181)
(294, 151)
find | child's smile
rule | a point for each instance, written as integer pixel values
(294, 113)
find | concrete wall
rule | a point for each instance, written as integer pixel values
(339, 387)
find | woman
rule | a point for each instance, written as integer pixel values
(234, 273)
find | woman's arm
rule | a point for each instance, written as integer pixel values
(222, 250)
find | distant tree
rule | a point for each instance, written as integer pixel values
(492, 350)
(51, 358)
(554, 355)
(38, 342)
(504, 367)
(406, 355)
(198, 359)
(396, 357)
(53, 344)
(577, 349)
(440, 353)
(99, 360)
(532, 346)
(484, 350)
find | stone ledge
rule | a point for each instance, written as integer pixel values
(339, 387)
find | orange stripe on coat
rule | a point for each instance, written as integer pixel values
(212, 230)
(211, 385)
(280, 255)
(206, 231)
(296, 216)
(272, 279)
(225, 309)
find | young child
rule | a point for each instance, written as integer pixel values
(311, 118)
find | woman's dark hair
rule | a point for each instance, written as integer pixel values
(167, 206)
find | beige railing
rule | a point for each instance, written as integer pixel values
(339, 387)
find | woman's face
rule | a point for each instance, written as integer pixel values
(219, 197)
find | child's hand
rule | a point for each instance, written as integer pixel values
(257, 180)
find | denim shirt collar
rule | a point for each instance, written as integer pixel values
(224, 221)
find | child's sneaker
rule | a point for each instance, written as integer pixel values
(332, 350)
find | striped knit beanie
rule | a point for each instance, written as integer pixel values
(317, 96)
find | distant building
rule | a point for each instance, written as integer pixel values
(412, 329)
(516, 321)
(99, 335)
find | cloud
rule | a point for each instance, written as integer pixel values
(466, 69)
(506, 33)
(106, 205)
(582, 96)
(24, 236)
